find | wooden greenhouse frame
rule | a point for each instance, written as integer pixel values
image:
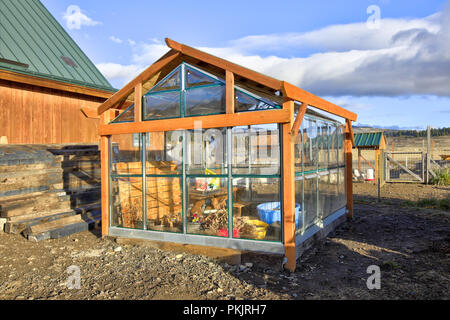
(289, 94)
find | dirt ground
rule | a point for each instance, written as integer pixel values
(411, 246)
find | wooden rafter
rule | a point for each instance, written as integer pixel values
(298, 94)
(352, 136)
(224, 64)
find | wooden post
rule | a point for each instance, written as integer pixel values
(105, 118)
(229, 95)
(428, 154)
(138, 102)
(377, 163)
(348, 171)
(288, 171)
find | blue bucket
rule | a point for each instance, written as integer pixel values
(270, 212)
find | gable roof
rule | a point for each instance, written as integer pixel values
(180, 52)
(368, 139)
(33, 43)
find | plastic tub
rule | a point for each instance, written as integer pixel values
(270, 212)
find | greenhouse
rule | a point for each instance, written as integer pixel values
(199, 150)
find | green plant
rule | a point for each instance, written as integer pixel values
(442, 177)
(442, 204)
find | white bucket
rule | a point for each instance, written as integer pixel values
(370, 175)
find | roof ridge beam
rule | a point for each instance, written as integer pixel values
(224, 64)
(298, 94)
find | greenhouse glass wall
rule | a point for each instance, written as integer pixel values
(210, 153)
(220, 182)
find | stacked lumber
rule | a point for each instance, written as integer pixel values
(49, 184)
(163, 194)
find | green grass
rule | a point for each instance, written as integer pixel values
(442, 177)
(441, 204)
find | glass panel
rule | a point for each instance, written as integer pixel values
(126, 202)
(126, 154)
(298, 151)
(164, 204)
(341, 138)
(322, 144)
(342, 199)
(310, 201)
(164, 152)
(126, 116)
(245, 102)
(196, 78)
(324, 203)
(299, 201)
(162, 105)
(172, 82)
(332, 138)
(310, 144)
(257, 210)
(207, 206)
(205, 100)
(334, 190)
(256, 149)
(206, 152)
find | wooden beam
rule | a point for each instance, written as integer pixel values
(53, 84)
(90, 112)
(298, 120)
(229, 96)
(289, 189)
(298, 94)
(352, 136)
(348, 170)
(105, 199)
(377, 166)
(213, 121)
(144, 76)
(224, 64)
(138, 102)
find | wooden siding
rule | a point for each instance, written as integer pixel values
(36, 115)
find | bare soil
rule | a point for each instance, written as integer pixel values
(411, 246)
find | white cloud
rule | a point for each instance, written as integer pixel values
(114, 71)
(403, 57)
(115, 39)
(75, 19)
(131, 42)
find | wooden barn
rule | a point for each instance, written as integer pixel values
(49, 157)
(45, 80)
(207, 152)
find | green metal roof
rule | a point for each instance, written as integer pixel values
(32, 42)
(368, 139)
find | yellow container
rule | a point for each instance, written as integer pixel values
(261, 228)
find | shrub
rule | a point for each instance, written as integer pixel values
(442, 177)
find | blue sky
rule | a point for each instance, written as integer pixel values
(395, 73)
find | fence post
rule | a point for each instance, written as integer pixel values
(428, 154)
